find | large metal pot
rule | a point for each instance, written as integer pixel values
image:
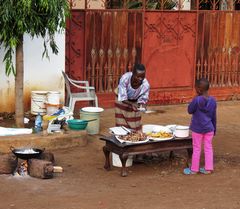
(27, 153)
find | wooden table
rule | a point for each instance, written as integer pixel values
(126, 149)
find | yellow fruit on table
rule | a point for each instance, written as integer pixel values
(161, 134)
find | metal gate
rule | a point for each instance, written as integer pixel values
(218, 48)
(110, 49)
(169, 54)
(176, 45)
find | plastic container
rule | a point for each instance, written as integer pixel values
(38, 100)
(49, 117)
(117, 162)
(53, 127)
(76, 124)
(148, 128)
(38, 123)
(181, 131)
(52, 108)
(90, 113)
(53, 97)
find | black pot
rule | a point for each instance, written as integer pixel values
(25, 156)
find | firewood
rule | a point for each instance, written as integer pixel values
(8, 163)
(48, 156)
(40, 168)
(57, 169)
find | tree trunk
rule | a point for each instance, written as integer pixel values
(193, 5)
(19, 78)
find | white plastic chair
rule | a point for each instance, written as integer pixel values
(87, 92)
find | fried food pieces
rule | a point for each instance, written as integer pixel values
(134, 137)
(161, 134)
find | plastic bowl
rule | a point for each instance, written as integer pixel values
(76, 124)
(181, 131)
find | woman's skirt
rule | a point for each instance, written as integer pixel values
(126, 116)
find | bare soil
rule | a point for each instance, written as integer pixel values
(157, 183)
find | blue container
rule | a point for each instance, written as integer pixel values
(38, 123)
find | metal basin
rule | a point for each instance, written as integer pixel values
(27, 153)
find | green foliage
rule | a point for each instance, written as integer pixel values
(151, 4)
(38, 18)
(155, 4)
(134, 5)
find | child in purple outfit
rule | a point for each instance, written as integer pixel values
(203, 126)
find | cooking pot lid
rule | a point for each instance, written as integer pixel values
(154, 128)
(182, 127)
(40, 92)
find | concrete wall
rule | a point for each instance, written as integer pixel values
(92, 4)
(40, 73)
(185, 5)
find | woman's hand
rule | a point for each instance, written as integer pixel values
(142, 105)
(135, 107)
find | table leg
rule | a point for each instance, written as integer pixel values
(189, 151)
(107, 160)
(171, 155)
(123, 159)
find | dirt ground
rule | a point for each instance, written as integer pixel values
(156, 184)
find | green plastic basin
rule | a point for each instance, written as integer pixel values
(76, 124)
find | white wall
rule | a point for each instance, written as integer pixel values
(40, 73)
(185, 5)
(91, 4)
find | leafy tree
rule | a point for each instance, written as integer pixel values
(38, 18)
(152, 4)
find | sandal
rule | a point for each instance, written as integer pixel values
(204, 171)
(188, 171)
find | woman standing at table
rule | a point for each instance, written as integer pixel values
(132, 93)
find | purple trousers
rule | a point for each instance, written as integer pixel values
(197, 140)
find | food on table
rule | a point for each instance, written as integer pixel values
(134, 137)
(161, 134)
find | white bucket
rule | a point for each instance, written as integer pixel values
(53, 97)
(52, 108)
(117, 162)
(89, 113)
(38, 100)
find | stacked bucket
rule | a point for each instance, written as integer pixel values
(45, 102)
